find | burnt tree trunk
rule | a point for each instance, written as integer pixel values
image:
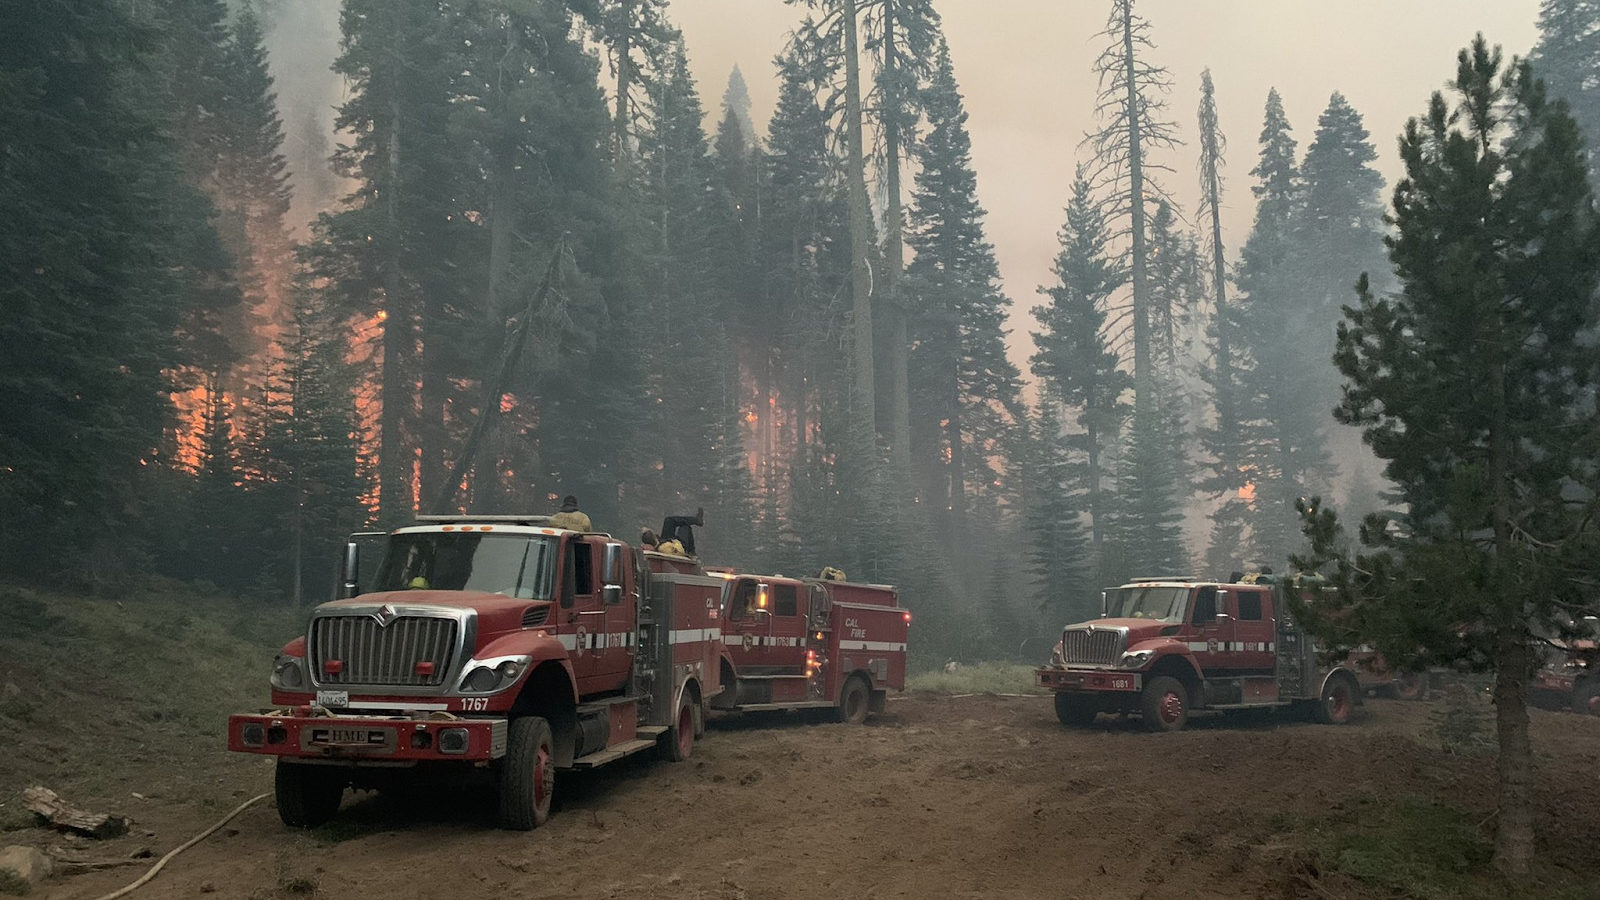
(863, 402)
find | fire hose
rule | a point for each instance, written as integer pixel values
(121, 892)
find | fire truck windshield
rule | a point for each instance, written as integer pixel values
(1162, 603)
(515, 565)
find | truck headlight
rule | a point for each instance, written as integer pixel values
(490, 676)
(1058, 656)
(288, 673)
(1135, 659)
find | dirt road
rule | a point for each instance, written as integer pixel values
(942, 797)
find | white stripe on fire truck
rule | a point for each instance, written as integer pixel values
(1232, 646)
(762, 640)
(695, 635)
(888, 646)
(597, 640)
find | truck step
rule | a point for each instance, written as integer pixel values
(611, 754)
(650, 731)
(806, 704)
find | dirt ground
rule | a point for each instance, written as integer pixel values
(950, 797)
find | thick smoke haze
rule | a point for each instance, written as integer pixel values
(1025, 67)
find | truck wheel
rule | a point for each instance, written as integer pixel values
(1165, 704)
(1075, 711)
(853, 701)
(678, 742)
(1586, 698)
(527, 775)
(1409, 686)
(1338, 700)
(308, 796)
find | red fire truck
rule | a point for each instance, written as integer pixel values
(495, 646)
(1569, 677)
(1164, 647)
(808, 643)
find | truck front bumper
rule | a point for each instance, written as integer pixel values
(1058, 679)
(373, 740)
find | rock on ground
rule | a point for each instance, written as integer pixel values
(25, 863)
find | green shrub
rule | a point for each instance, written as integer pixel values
(978, 678)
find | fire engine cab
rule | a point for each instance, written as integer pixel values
(810, 643)
(494, 646)
(1164, 647)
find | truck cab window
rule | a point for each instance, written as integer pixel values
(578, 579)
(1250, 606)
(744, 600)
(784, 601)
(583, 568)
(1205, 606)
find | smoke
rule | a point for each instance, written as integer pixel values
(302, 38)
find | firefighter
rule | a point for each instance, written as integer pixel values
(680, 530)
(649, 541)
(570, 517)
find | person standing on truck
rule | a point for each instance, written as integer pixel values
(570, 517)
(680, 530)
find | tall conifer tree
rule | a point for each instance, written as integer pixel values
(1471, 382)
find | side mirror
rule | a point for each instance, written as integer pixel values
(351, 582)
(611, 565)
(611, 594)
(1104, 607)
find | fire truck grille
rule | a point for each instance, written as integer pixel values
(365, 653)
(1095, 648)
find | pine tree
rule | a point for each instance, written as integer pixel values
(307, 458)
(795, 325)
(1471, 382)
(1567, 56)
(1280, 423)
(692, 366)
(1059, 552)
(1074, 362)
(1226, 478)
(531, 118)
(835, 44)
(904, 40)
(1131, 108)
(107, 261)
(967, 389)
(253, 194)
(736, 104)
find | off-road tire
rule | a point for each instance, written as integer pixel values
(527, 775)
(307, 796)
(854, 701)
(1586, 698)
(1164, 704)
(1337, 702)
(678, 743)
(1076, 711)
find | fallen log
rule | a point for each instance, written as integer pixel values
(59, 814)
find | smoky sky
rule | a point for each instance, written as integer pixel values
(1025, 69)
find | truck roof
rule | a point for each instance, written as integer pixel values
(502, 524)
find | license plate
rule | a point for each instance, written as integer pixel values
(333, 698)
(1122, 684)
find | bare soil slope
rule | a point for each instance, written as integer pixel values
(978, 796)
